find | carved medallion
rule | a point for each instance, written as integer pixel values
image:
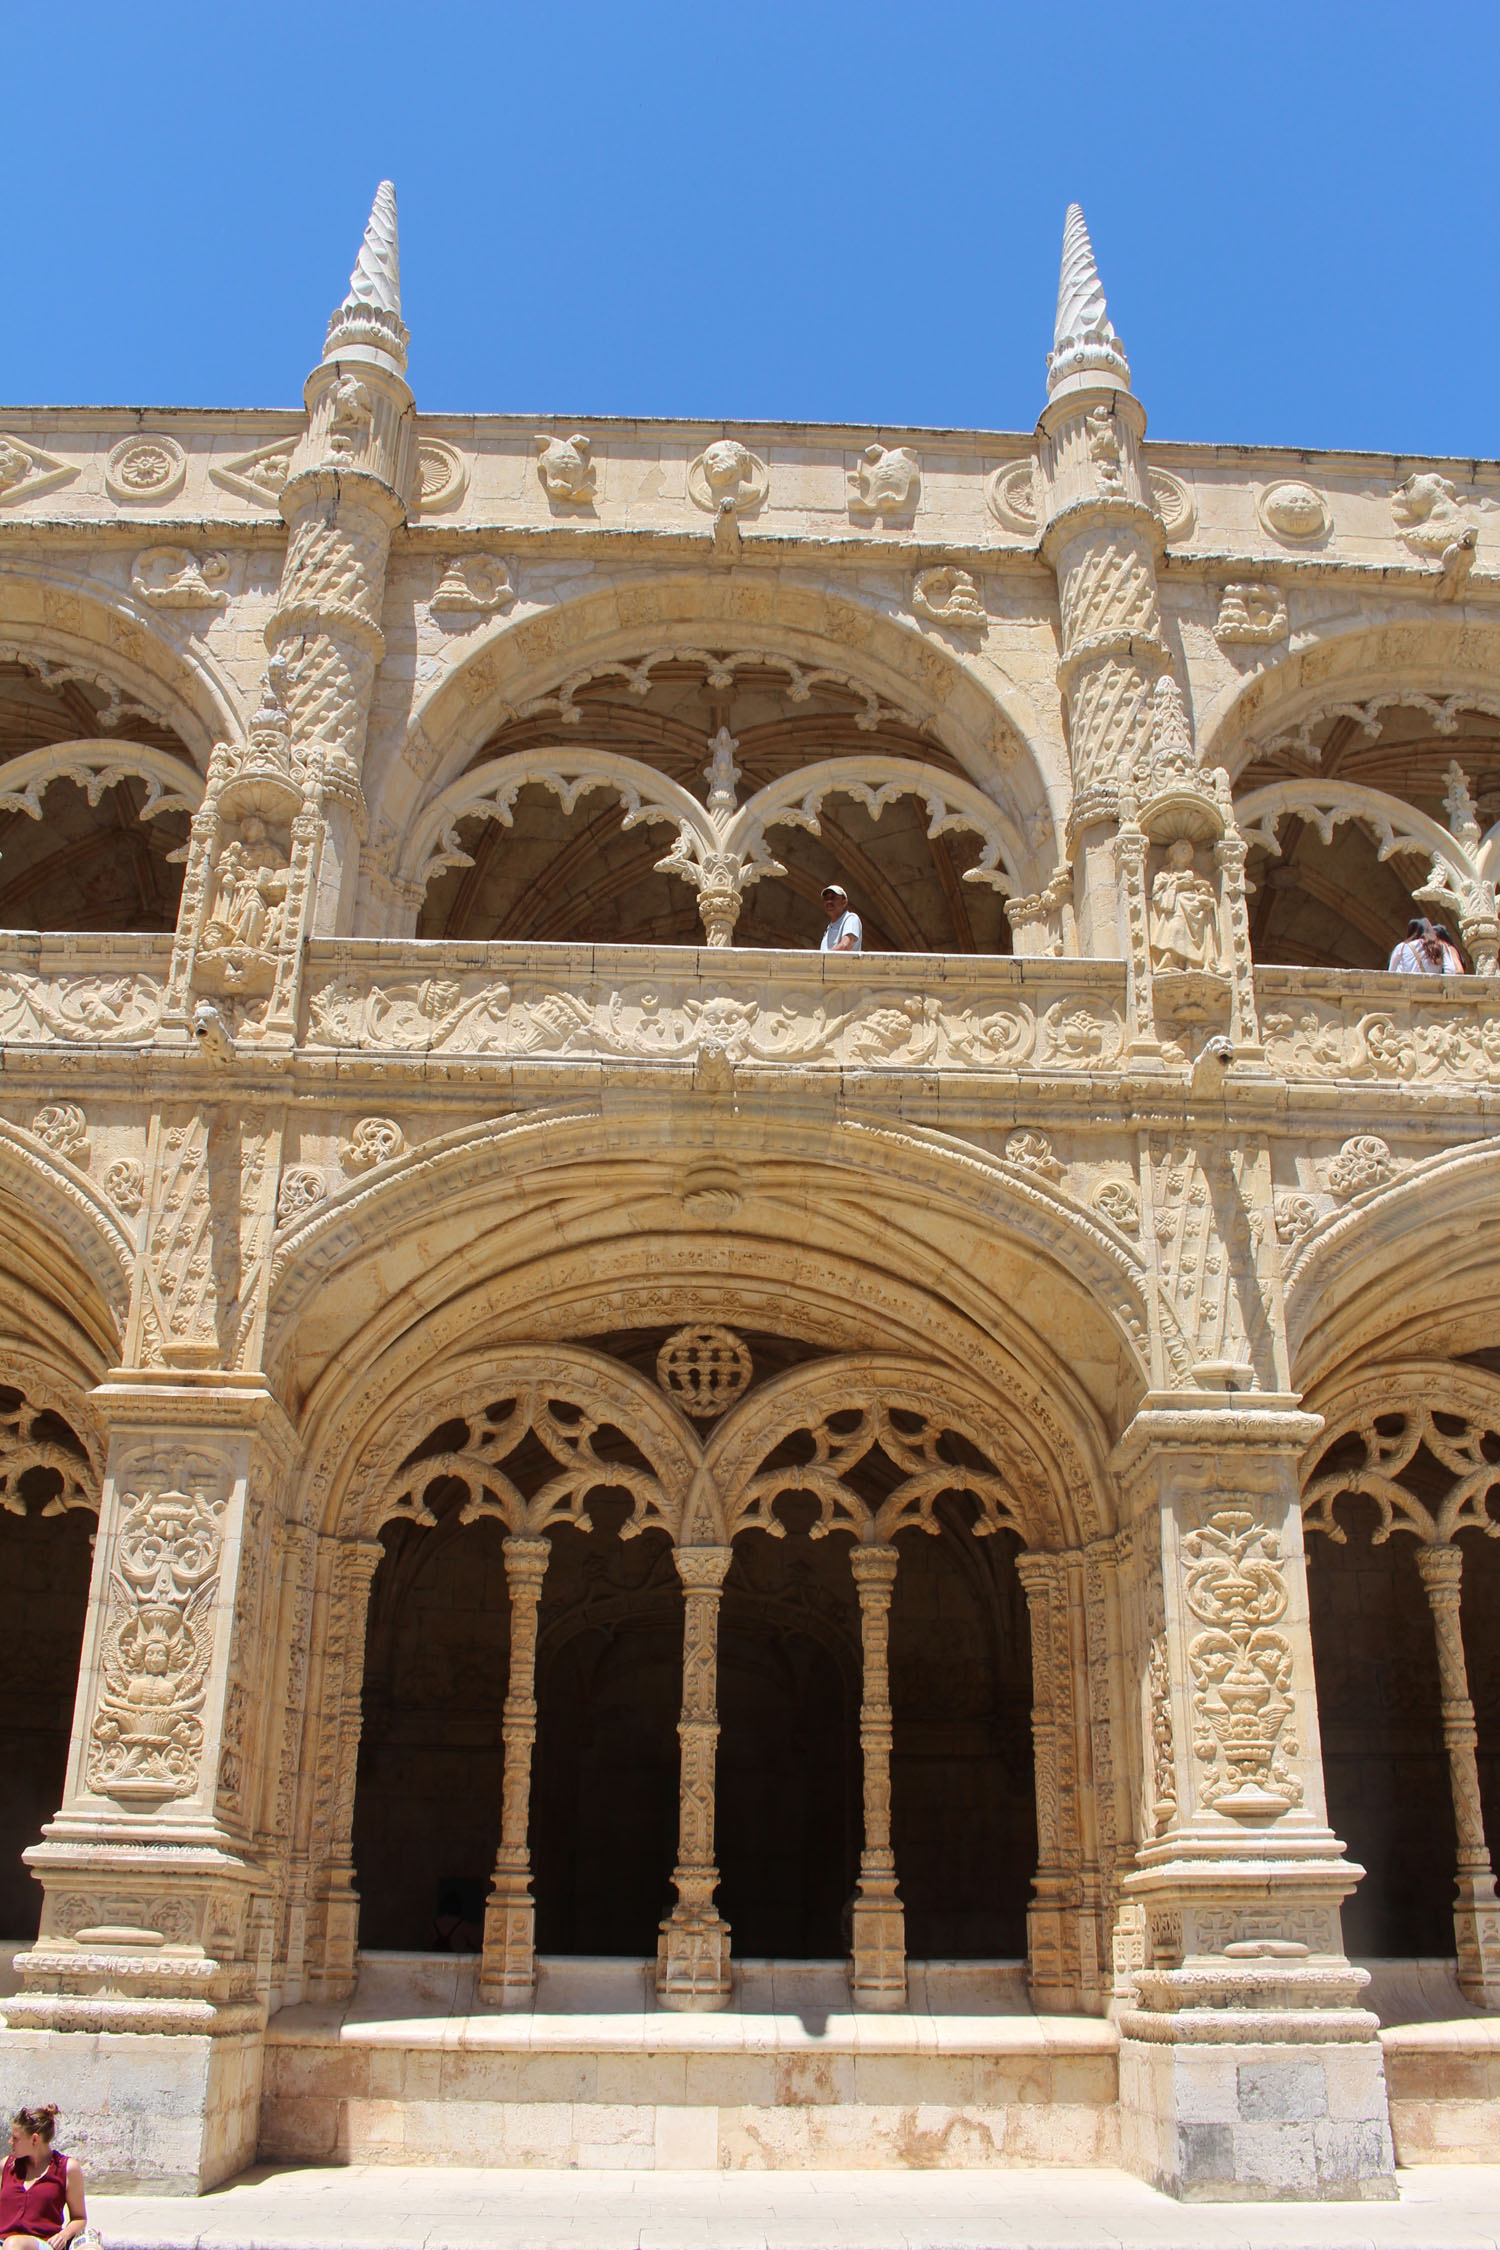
(146, 469)
(704, 1369)
(1294, 511)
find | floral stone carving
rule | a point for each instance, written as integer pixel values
(63, 1127)
(1240, 1666)
(1362, 1163)
(147, 1736)
(149, 469)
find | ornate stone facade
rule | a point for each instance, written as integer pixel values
(614, 1433)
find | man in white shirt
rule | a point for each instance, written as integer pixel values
(845, 932)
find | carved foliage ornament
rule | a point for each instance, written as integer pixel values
(374, 1140)
(1364, 1162)
(176, 578)
(146, 470)
(1241, 1665)
(36, 1438)
(837, 1444)
(64, 1129)
(147, 1736)
(1251, 615)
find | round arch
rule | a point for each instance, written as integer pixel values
(1409, 1269)
(1448, 662)
(67, 626)
(971, 706)
(68, 1243)
(561, 1221)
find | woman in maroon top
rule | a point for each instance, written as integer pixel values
(41, 2190)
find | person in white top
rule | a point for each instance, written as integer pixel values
(845, 932)
(1419, 954)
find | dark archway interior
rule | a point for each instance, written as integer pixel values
(427, 1800)
(609, 1678)
(581, 876)
(82, 866)
(1380, 1713)
(1336, 904)
(45, 1564)
(962, 1778)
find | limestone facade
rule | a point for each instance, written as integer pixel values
(428, 1142)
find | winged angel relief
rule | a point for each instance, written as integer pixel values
(147, 1736)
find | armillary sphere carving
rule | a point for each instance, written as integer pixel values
(704, 1369)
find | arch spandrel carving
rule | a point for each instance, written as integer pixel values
(979, 715)
(594, 1159)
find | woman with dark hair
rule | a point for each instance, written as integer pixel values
(41, 2190)
(1452, 959)
(1418, 954)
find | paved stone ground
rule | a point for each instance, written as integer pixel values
(367, 2207)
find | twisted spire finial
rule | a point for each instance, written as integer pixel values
(368, 324)
(1085, 347)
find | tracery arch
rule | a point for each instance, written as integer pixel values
(1366, 767)
(96, 791)
(1410, 1447)
(615, 654)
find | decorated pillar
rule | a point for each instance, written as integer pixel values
(877, 1963)
(159, 1915)
(507, 1971)
(1248, 2067)
(1102, 536)
(1476, 1915)
(352, 481)
(692, 1960)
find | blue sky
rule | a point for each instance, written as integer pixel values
(823, 211)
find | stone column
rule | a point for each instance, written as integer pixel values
(692, 1958)
(507, 1972)
(352, 479)
(1248, 2069)
(1102, 536)
(1476, 1914)
(877, 1962)
(345, 1574)
(159, 1872)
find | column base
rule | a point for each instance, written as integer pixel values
(1222, 2101)
(692, 1962)
(1476, 1930)
(507, 1968)
(877, 1952)
(146, 2115)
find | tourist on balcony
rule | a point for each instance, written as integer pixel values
(1453, 960)
(1420, 953)
(41, 2190)
(845, 932)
